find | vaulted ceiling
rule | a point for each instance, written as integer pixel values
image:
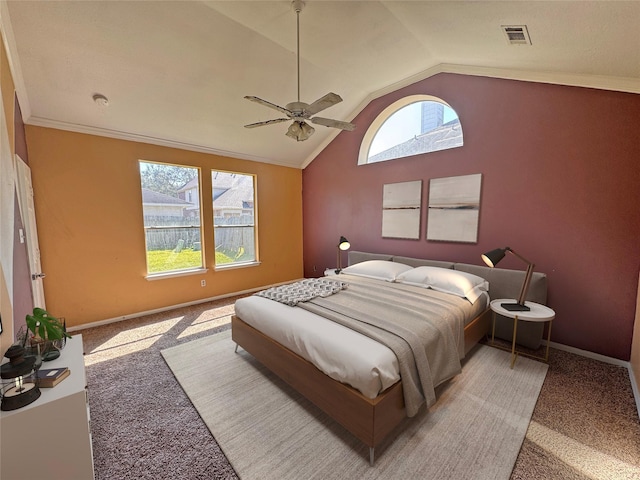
(175, 73)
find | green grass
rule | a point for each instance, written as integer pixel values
(167, 260)
(159, 261)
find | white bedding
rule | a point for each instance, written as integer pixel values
(341, 353)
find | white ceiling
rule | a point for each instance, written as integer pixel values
(175, 73)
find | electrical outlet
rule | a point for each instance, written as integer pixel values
(203, 283)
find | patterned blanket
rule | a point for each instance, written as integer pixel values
(303, 291)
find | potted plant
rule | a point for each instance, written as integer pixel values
(48, 334)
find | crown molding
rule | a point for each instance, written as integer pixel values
(600, 82)
(625, 85)
(135, 137)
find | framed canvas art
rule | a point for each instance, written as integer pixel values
(401, 210)
(454, 208)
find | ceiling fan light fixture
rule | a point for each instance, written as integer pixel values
(300, 131)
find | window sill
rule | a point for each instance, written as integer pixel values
(182, 273)
(236, 265)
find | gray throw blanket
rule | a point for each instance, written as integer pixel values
(424, 328)
(293, 293)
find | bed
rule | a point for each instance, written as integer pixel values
(371, 412)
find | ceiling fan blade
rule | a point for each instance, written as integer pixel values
(268, 104)
(267, 122)
(327, 101)
(327, 122)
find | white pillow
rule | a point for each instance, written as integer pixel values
(378, 269)
(445, 280)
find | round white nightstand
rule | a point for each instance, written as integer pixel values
(537, 313)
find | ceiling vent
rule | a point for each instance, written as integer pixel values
(516, 34)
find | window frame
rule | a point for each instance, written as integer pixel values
(389, 111)
(256, 259)
(181, 271)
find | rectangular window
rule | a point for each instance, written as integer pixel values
(234, 226)
(171, 209)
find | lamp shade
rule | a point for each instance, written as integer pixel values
(343, 244)
(493, 257)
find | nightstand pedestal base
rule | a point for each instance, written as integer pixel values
(536, 313)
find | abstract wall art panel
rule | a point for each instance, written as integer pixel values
(401, 210)
(454, 208)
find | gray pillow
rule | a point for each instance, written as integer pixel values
(357, 257)
(418, 262)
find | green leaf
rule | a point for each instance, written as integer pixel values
(45, 326)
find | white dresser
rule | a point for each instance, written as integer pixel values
(51, 438)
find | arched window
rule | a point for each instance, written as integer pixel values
(412, 125)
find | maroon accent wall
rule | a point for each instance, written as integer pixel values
(560, 185)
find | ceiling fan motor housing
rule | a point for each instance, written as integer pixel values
(298, 5)
(297, 108)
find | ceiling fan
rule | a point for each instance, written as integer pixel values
(300, 111)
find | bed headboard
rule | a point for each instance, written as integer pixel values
(503, 283)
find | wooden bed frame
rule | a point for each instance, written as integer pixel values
(369, 420)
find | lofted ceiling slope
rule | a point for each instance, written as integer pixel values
(175, 72)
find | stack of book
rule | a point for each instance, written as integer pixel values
(50, 377)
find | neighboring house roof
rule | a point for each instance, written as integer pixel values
(234, 198)
(234, 191)
(446, 136)
(225, 180)
(149, 197)
(193, 183)
(239, 191)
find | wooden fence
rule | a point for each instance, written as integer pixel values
(233, 235)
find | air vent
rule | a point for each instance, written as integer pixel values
(516, 34)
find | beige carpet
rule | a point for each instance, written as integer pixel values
(267, 431)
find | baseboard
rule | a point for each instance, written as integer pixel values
(170, 307)
(588, 354)
(605, 359)
(635, 387)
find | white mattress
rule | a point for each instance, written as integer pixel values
(341, 353)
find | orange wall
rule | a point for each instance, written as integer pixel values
(89, 213)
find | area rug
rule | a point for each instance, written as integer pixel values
(268, 431)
